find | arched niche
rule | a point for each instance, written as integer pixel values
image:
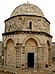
(10, 53)
(31, 48)
(31, 44)
(48, 54)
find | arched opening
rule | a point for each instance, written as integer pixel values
(31, 53)
(10, 53)
(30, 25)
(48, 54)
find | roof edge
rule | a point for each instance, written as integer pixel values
(27, 15)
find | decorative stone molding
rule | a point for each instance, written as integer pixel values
(31, 36)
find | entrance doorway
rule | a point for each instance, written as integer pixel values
(30, 60)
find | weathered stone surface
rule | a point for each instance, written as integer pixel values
(22, 23)
(24, 34)
(27, 9)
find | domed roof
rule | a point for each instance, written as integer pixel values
(27, 9)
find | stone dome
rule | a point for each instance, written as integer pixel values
(27, 9)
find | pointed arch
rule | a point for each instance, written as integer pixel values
(9, 41)
(33, 37)
(9, 38)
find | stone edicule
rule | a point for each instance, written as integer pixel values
(27, 32)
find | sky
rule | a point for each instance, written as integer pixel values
(47, 6)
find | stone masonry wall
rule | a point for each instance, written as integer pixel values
(22, 23)
(19, 40)
(1, 52)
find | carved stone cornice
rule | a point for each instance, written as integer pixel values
(28, 32)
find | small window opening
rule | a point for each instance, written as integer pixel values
(30, 25)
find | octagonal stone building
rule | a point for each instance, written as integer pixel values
(27, 42)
